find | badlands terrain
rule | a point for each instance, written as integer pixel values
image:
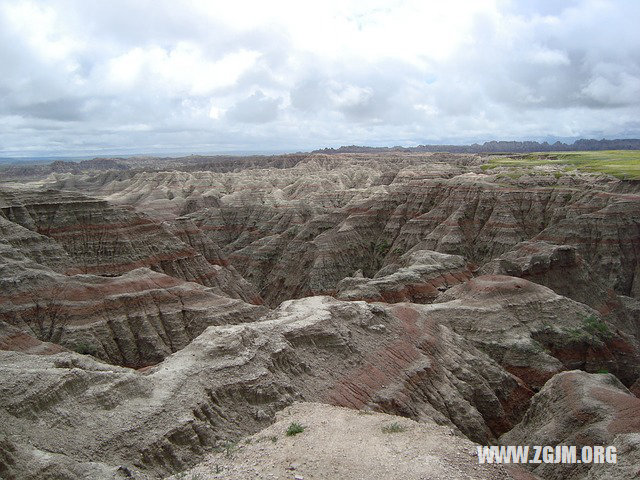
(171, 317)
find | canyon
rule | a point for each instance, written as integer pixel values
(154, 311)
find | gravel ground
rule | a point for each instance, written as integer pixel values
(339, 443)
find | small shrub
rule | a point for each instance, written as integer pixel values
(577, 334)
(294, 429)
(394, 427)
(229, 448)
(85, 348)
(382, 247)
(596, 327)
(273, 438)
(592, 330)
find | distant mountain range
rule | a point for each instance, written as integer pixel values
(500, 146)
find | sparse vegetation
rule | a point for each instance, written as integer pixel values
(537, 347)
(394, 427)
(228, 448)
(382, 248)
(85, 348)
(596, 327)
(624, 164)
(592, 329)
(546, 324)
(602, 370)
(577, 334)
(294, 429)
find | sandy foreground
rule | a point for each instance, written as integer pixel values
(340, 443)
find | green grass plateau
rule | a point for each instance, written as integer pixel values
(623, 164)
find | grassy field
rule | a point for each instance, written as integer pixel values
(619, 163)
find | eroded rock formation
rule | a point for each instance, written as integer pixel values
(577, 408)
(232, 379)
(415, 284)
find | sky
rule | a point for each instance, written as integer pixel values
(89, 77)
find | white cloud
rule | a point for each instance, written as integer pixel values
(40, 27)
(548, 56)
(350, 95)
(285, 74)
(184, 69)
(257, 108)
(622, 89)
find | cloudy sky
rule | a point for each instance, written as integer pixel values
(84, 77)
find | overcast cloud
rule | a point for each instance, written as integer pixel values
(143, 76)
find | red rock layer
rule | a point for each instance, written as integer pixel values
(136, 319)
(232, 379)
(101, 239)
(577, 408)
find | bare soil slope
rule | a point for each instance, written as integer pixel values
(343, 444)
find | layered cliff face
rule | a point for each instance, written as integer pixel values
(16, 339)
(419, 285)
(72, 233)
(231, 380)
(535, 333)
(332, 222)
(330, 216)
(403, 359)
(565, 271)
(577, 408)
(105, 281)
(608, 239)
(134, 319)
(418, 277)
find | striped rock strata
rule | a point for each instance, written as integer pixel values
(533, 332)
(329, 216)
(135, 319)
(578, 408)
(232, 379)
(418, 277)
(72, 233)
